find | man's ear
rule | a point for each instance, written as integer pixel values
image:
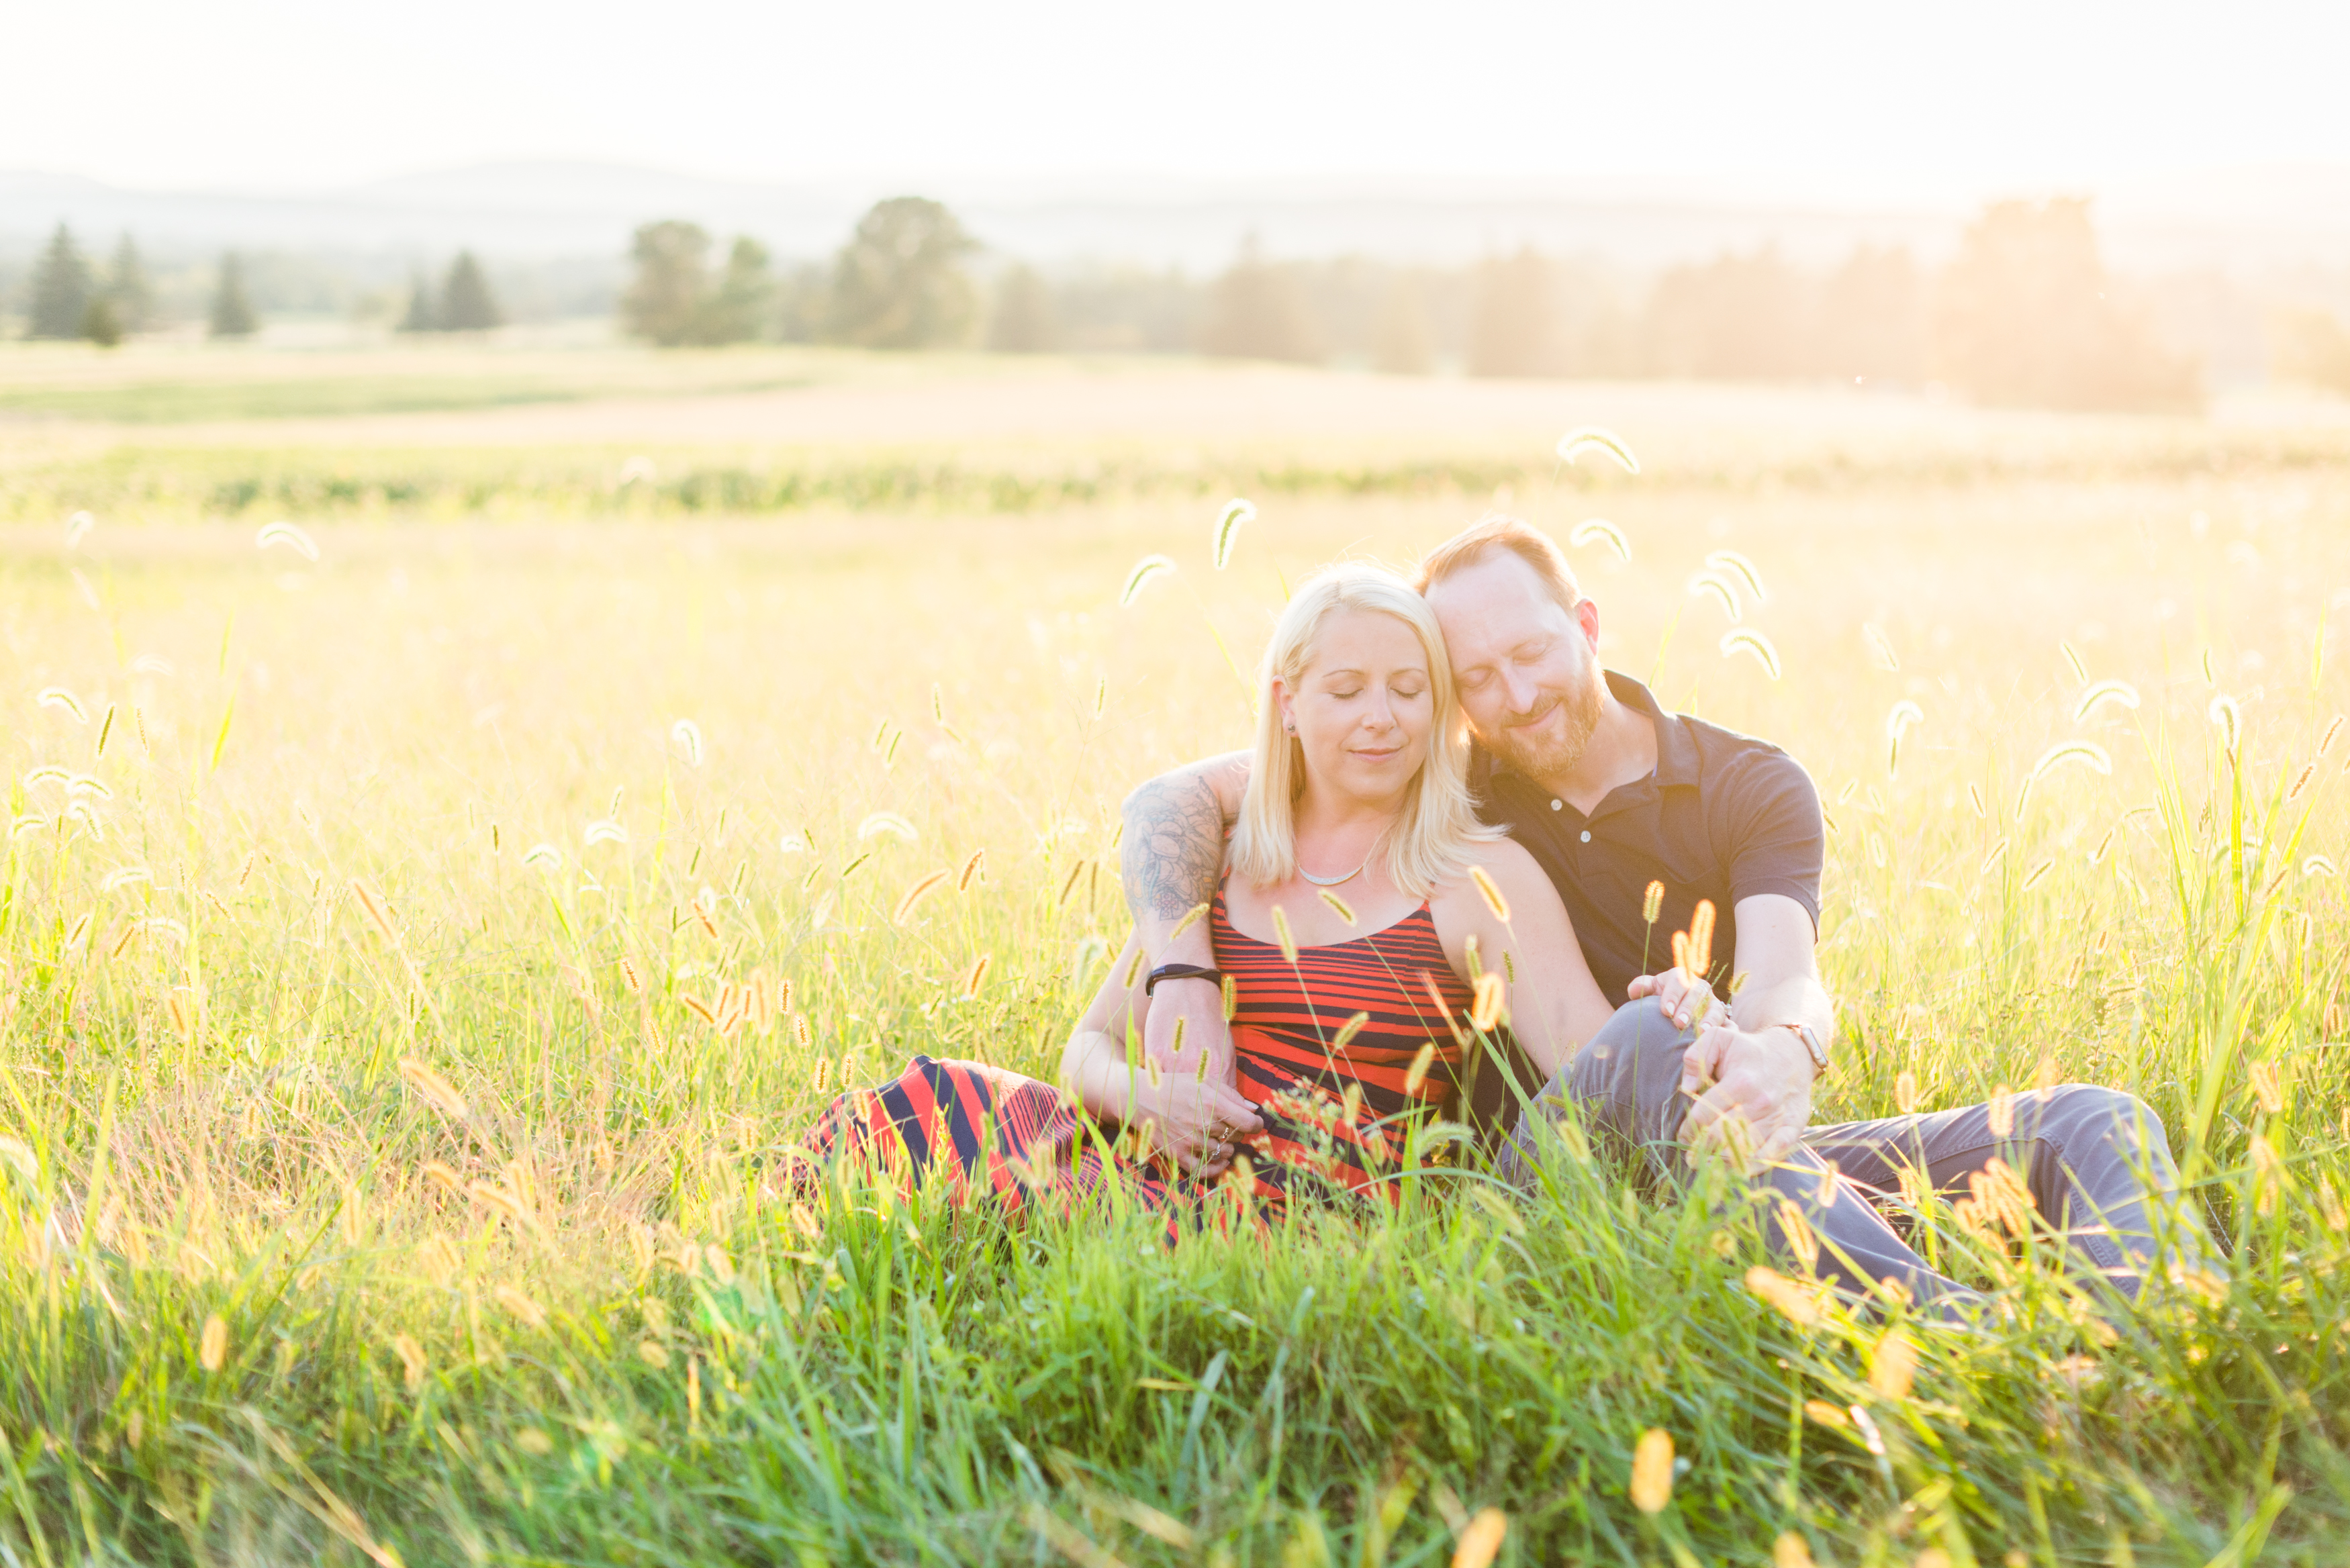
(1587, 616)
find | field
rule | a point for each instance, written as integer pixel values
(585, 714)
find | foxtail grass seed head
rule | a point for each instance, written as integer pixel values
(916, 893)
(1790, 1551)
(1893, 1367)
(1598, 439)
(1732, 564)
(2073, 663)
(288, 535)
(630, 977)
(1486, 1008)
(802, 1034)
(2266, 1089)
(1701, 937)
(2121, 693)
(533, 1441)
(2002, 1112)
(65, 702)
(1101, 694)
(976, 976)
(1723, 591)
(2333, 730)
(2228, 719)
(2045, 1074)
(543, 857)
(2070, 754)
(1069, 884)
(1786, 1297)
(441, 1175)
(2033, 877)
(820, 1080)
(1193, 916)
(1346, 1030)
(1474, 956)
(1652, 903)
(686, 736)
(604, 830)
(1139, 576)
(2211, 670)
(411, 1361)
(1652, 1472)
(433, 1087)
(181, 1007)
(1681, 952)
(1975, 799)
(701, 1010)
(1282, 938)
(212, 1345)
(1746, 640)
(520, 1306)
(1797, 1226)
(973, 870)
(104, 728)
(1232, 998)
(377, 912)
(882, 822)
(1904, 1092)
(1133, 970)
(653, 1354)
(2301, 782)
(1599, 531)
(1338, 906)
(1481, 1541)
(1237, 514)
(1489, 890)
(2315, 866)
(1422, 1062)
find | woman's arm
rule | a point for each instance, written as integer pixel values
(1190, 1119)
(1553, 1005)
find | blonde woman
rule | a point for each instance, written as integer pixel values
(1362, 902)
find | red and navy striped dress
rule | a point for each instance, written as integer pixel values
(1324, 1049)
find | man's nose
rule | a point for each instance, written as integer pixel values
(1519, 690)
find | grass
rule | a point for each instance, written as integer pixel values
(574, 1315)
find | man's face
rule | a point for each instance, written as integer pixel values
(1527, 669)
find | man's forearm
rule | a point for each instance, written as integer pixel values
(1796, 998)
(1169, 858)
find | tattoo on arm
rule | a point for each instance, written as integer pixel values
(1173, 848)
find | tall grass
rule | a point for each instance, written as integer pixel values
(379, 1187)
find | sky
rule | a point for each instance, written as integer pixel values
(1878, 101)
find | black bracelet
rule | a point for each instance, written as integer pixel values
(1182, 972)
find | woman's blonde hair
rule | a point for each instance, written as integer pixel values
(1430, 840)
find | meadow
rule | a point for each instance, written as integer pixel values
(415, 961)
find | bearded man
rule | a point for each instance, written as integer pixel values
(1613, 796)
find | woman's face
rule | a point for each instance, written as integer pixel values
(1364, 708)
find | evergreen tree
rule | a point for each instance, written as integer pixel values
(664, 300)
(233, 314)
(420, 316)
(127, 293)
(899, 281)
(60, 289)
(1022, 322)
(738, 312)
(1258, 311)
(466, 305)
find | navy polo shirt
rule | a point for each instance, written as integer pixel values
(1724, 817)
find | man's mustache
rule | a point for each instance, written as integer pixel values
(1534, 715)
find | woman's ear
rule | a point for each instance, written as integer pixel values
(1284, 707)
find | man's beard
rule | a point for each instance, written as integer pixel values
(1548, 755)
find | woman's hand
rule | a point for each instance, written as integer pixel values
(1194, 1123)
(1681, 997)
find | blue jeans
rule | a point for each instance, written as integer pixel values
(2095, 1161)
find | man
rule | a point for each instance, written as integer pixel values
(1611, 795)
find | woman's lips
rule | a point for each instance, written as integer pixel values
(1370, 756)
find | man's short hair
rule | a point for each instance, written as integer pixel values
(1521, 538)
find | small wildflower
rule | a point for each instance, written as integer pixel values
(1652, 1472)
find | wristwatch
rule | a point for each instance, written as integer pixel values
(1813, 1047)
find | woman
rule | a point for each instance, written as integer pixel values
(1350, 936)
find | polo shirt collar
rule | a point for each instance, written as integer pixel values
(1677, 758)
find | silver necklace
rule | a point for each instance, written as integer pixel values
(1331, 881)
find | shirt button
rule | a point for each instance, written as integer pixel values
(1586, 836)
(1558, 805)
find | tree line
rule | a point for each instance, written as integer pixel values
(2024, 313)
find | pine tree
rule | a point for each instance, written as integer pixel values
(233, 314)
(664, 300)
(420, 316)
(60, 289)
(100, 323)
(127, 293)
(466, 305)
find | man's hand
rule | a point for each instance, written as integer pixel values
(1194, 1123)
(1681, 997)
(1753, 1091)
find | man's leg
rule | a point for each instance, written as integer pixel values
(1629, 1079)
(2094, 1161)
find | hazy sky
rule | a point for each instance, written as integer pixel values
(1798, 98)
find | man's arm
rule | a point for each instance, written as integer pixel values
(1744, 1062)
(1171, 853)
